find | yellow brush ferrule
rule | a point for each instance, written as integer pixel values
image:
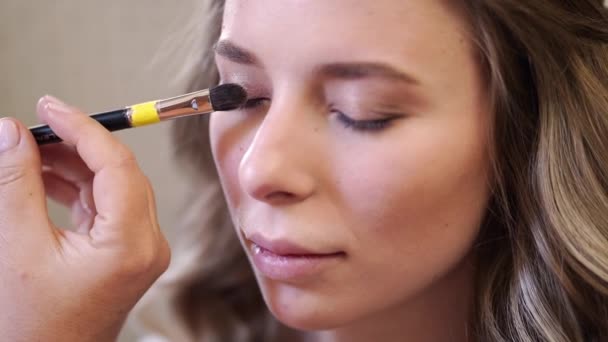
(144, 114)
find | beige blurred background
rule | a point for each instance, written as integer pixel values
(96, 55)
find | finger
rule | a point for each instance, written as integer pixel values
(152, 208)
(96, 145)
(22, 199)
(119, 185)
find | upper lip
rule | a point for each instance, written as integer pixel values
(283, 247)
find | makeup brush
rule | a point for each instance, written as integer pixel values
(224, 97)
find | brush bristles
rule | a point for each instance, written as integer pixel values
(227, 97)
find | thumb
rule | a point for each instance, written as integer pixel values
(22, 198)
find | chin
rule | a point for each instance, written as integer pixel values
(302, 309)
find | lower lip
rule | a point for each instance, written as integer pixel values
(291, 267)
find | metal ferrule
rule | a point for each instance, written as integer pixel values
(184, 105)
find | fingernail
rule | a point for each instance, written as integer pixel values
(53, 99)
(9, 135)
(58, 108)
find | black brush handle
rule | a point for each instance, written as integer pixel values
(112, 121)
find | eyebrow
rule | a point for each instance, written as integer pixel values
(355, 71)
(235, 53)
(348, 70)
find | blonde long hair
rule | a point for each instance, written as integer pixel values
(543, 248)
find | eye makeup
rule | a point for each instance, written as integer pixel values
(362, 105)
(364, 125)
(257, 95)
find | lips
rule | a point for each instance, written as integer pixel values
(283, 260)
(285, 247)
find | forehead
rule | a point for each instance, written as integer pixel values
(343, 28)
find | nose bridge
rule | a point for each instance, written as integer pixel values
(281, 125)
(277, 161)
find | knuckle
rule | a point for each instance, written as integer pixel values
(136, 265)
(146, 185)
(147, 262)
(164, 255)
(11, 174)
(124, 157)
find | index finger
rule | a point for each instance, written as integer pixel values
(95, 144)
(119, 186)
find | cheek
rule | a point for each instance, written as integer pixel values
(410, 204)
(421, 199)
(230, 137)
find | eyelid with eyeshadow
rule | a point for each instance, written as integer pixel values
(367, 125)
(253, 90)
(379, 120)
(253, 102)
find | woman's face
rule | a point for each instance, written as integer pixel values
(357, 174)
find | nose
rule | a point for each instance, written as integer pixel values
(281, 164)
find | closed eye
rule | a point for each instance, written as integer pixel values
(255, 102)
(348, 122)
(364, 125)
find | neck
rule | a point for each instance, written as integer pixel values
(441, 313)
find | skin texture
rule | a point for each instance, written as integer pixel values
(402, 204)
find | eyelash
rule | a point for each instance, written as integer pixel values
(255, 102)
(363, 125)
(356, 125)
